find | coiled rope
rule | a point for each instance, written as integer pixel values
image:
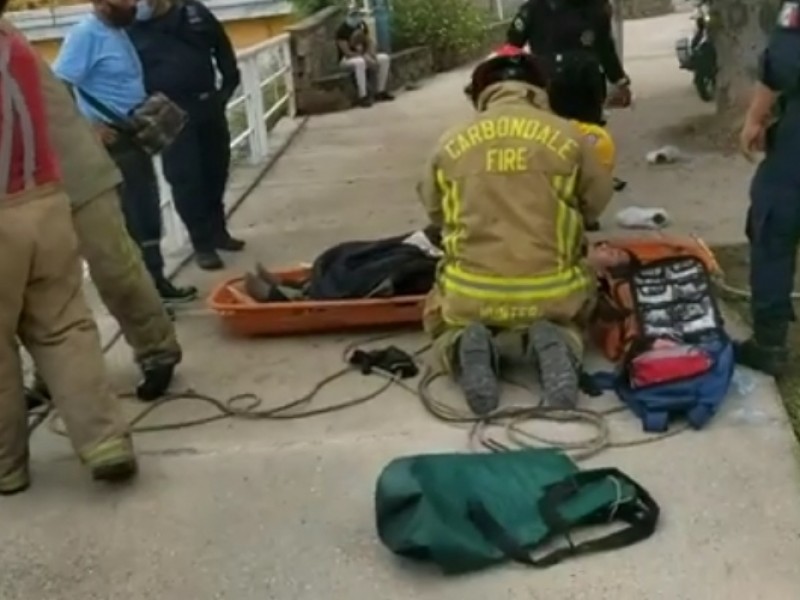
(505, 429)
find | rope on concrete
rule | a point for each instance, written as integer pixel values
(505, 429)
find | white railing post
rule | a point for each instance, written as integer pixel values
(288, 78)
(175, 237)
(254, 109)
(617, 26)
(499, 10)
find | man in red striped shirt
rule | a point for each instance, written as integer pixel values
(41, 301)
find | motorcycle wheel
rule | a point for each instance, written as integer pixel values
(706, 86)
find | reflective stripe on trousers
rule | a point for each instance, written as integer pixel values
(13, 102)
(568, 277)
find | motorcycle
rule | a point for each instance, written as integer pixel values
(697, 54)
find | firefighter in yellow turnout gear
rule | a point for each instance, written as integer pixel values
(511, 190)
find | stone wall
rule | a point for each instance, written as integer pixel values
(321, 85)
(313, 47)
(495, 36)
(640, 9)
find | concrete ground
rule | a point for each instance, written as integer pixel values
(248, 511)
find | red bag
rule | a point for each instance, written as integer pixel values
(665, 364)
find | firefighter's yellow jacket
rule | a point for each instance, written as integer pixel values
(511, 190)
(604, 147)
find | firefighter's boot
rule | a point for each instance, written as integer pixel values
(477, 367)
(556, 363)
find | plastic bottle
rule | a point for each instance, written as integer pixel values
(743, 383)
(741, 409)
(664, 156)
(636, 217)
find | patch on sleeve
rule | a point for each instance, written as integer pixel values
(789, 15)
(591, 138)
(519, 24)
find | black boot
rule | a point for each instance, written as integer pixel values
(225, 241)
(766, 350)
(171, 294)
(592, 226)
(477, 369)
(157, 373)
(209, 260)
(37, 394)
(556, 363)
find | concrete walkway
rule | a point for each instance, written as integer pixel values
(254, 511)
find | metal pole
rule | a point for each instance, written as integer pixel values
(499, 9)
(617, 22)
(383, 25)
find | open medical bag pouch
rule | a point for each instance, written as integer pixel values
(658, 319)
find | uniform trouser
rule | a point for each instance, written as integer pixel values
(773, 229)
(121, 279)
(41, 302)
(361, 68)
(196, 165)
(509, 343)
(141, 202)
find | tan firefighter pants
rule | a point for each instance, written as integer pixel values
(41, 302)
(124, 284)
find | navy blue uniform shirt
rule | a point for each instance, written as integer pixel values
(179, 49)
(779, 70)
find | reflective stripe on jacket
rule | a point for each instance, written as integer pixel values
(26, 157)
(511, 189)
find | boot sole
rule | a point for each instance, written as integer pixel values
(169, 301)
(116, 472)
(479, 381)
(14, 491)
(557, 373)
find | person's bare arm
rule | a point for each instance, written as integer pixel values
(344, 46)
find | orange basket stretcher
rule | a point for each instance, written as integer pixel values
(243, 316)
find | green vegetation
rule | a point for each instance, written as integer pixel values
(309, 7)
(454, 30)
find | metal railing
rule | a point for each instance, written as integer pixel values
(265, 95)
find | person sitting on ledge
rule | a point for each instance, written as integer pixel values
(357, 52)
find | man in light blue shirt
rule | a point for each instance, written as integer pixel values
(99, 62)
(99, 59)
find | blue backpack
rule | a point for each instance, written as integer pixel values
(695, 398)
(675, 358)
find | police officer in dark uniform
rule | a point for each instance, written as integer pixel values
(772, 125)
(572, 39)
(182, 45)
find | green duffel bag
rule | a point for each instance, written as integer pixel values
(465, 512)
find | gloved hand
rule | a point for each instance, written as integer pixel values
(391, 360)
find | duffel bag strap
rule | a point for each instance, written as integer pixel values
(640, 513)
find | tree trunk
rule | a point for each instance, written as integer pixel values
(739, 30)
